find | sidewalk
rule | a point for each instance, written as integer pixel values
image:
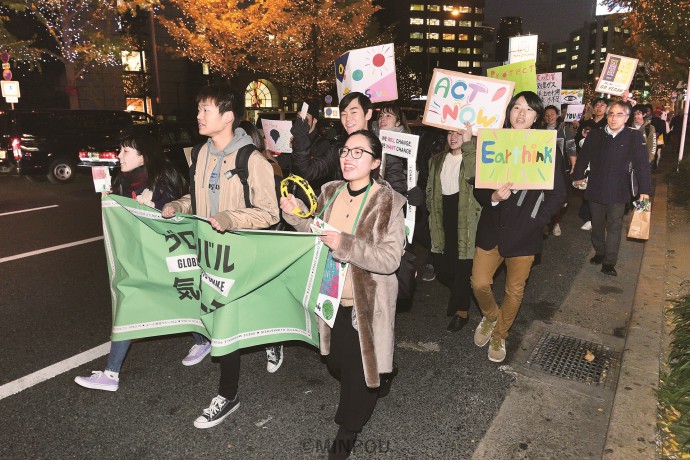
(553, 410)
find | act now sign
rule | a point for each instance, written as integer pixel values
(525, 157)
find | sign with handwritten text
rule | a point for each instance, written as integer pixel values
(456, 98)
(523, 74)
(572, 96)
(616, 75)
(549, 88)
(574, 113)
(525, 157)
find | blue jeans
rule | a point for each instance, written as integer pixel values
(119, 348)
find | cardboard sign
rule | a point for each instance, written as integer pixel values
(572, 96)
(404, 146)
(574, 113)
(523, 74)
(101, 178)
(549, 88)
(370, 71)
(456, 98)
(523, 48)
(616, 75)
(277, 135)
(525, 157)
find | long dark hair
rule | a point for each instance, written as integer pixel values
(533, 101)
(161, 175)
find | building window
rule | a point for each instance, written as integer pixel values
(603, 49)
(434, 8)
(433, 49)
(258, 95)
(433, 22)
(591, 61)
(449, 22)
(577, 47)
(465, 9)
(477, 51)
(133, 61)
(560, 66)
(479, 10)
(464, 50)
(416, 7)
(432, 36)
(416, 49)
(417, 21)
(477, 38)
(418, 35)
(617, 29)
(626, 31)
(463, 63)
(448, 7)
(477, 64)
(463, 37)
(478, 23)
(465, 23)
(561, 50)
(591, 71)
(605, 28)
(574, 66)
(449, 36)
(576, 38)
(573, 58)
(448, 49)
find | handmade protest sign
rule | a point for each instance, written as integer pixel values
(522, 48)
(239, 288)
(616, 75)
(525, 157)
(549, 88)
(523, 74)
(368, 70)
(405, 146)
(456, 98)
(574, 113)
(277, 135)
(572, 96)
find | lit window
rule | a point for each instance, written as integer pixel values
(573, 58)
(593, 51)
(434, 8)
(257, 95)
(448, 8)
(561, 50)
(417, 21)
(477, 38)
(448, 49)
(464, 50)
(433, 49)
(465, 23)
(132, 61)
(465, 9)
(477, 64)
(416, 7)
(432, 36)
(463, 37)
(603, 49)
(416, 35)
(605, 28)
(479, 10)
(477, 23)
(449, 22)
(576, 38)
(416, 49)
(449, 36)
(577, 47)
(626, 31)
(574, 66)
(560, 66)
(591, 61)
(138, 104)
(463, 63)
(477, 51)
(617, 29)
(434, 22)
(591, 71)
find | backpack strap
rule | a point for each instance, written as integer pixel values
(242, 171)
(193, 156)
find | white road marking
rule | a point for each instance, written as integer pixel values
(56, 369)
(50, 249)
(29, 210)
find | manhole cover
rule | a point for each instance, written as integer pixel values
(566, 357)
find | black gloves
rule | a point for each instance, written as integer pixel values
(300, 135)
(415, 196)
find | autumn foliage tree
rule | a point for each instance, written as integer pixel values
(294, 41)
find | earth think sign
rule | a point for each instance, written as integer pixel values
(456, 98)
(525, 157)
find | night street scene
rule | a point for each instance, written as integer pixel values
(330, 229)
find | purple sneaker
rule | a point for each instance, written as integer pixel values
(98, 381)
(197, 354)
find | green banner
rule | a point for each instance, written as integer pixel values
(241, 288)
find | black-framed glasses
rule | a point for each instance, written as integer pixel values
(355, 152)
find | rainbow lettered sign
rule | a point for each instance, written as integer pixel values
(368, 70)
(523, 73)
(456, 98)
(525, 157)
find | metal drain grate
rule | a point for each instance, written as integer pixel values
(564, 357)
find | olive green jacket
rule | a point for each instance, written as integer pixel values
(468, 207)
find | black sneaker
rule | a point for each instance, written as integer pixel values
(219, 409)
(596, 260)
(609, 270)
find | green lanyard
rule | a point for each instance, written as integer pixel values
(361, 206)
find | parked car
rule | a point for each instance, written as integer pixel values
(174, 137)
(46, 143)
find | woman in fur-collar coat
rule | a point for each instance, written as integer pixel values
(368, 215)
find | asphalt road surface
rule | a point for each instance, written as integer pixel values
(55, 305)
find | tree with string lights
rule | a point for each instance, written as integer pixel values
(294, 41)
(81, 34)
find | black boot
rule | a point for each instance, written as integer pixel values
(387, 381)
(342, 445)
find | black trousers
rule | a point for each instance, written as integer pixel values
(607, 223)
(229, 375)
(357, 401)
(453, 272)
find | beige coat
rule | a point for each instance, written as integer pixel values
(374, 253)
(233, 212)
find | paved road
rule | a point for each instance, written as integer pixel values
(55, 305)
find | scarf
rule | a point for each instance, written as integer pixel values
(133, 182)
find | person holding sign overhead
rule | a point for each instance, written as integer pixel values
(453, 216)
(370, 234)
(510, 231)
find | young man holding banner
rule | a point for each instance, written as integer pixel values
(217, 193)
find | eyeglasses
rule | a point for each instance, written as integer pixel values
(355, 152)
(617, 115)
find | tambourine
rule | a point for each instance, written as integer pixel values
(304, 185)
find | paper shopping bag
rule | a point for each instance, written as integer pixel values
(639, 225)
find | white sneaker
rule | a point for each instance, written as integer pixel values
(587, 225)
(497, 350)
(556, 230)
(274, 354)
(482, 334)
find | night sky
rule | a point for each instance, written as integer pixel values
(552, 20)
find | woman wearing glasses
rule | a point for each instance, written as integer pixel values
(368, 216)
